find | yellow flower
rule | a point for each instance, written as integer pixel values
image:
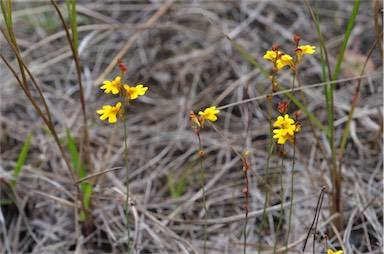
(329, 251)
(210, 114)
(279, 57)
(110, 112)
(112, 86)
(286, 129)
(272, 55)
(134, 92)
(305, 49)
(283, 61)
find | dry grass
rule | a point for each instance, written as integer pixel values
(188, 65)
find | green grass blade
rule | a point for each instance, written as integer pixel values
(6, 201)
(249, 58)
(20, 161)
(181, 185)
(71, 6)
(74, 154)
(171, 185)
(7, 14)
(240, 49)
(86, 187)
(346, 38)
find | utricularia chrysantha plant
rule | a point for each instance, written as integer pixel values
(285, 127)
(126, 92)
(208, 114)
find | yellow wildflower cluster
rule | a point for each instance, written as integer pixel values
(115, 87)
(286, 129)
(208, 113)
(280, 59)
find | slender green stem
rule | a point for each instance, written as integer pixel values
(245, 225)
(267, 196)
(267, 190)
(127, 183)
(125, 104)
(7, 14)
(201, 159)
(292, 192)
(271, 145)
(281, 202)
(205, 206)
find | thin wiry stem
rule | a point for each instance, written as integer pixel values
(125, 104)
(127, 184)
(271, 145)
(292, 192)
(281, 202)
(201, 159)
(246, 193)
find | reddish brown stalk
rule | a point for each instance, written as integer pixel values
(246, 166)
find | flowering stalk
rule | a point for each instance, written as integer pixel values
(209, 114)
(272, 55)
(111, 112)
(285, 127)
(126, 172)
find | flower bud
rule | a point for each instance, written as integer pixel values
(296, 38)
(297, 114)
(122, 67)
(275, 47)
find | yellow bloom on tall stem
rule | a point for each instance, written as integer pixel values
(305, 49)
(134, 92)
(283, 61)
(279, 57)
(209, 113)
(329, 251)
(272, 55)
(112, 86)
(110, 112)
(286, 129)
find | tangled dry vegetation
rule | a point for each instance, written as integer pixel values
(188, 65)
